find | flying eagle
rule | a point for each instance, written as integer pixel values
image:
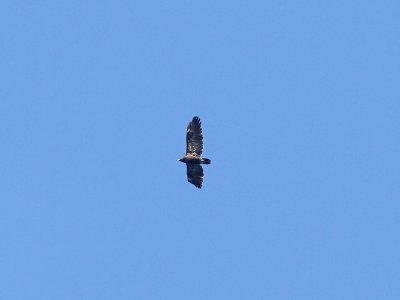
(194, 149)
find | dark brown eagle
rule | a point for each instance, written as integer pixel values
(194, 149)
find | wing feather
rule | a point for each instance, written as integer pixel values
(194, 137)
(195, 175)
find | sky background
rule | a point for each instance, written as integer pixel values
(300, 104)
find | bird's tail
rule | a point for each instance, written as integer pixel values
(206, 161)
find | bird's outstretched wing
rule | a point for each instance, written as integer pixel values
(195, 175)
(194, 137)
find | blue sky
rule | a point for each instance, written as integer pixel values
(300, 109)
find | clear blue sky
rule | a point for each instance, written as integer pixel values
(300, 104)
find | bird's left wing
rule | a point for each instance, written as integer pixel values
(194, 137)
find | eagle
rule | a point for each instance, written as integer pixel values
(194, 149)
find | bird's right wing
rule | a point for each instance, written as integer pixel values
(195, 175)
(194, 137)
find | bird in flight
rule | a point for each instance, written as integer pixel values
(194, 149)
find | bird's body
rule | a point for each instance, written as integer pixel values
(194, 149)
(194, 159)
